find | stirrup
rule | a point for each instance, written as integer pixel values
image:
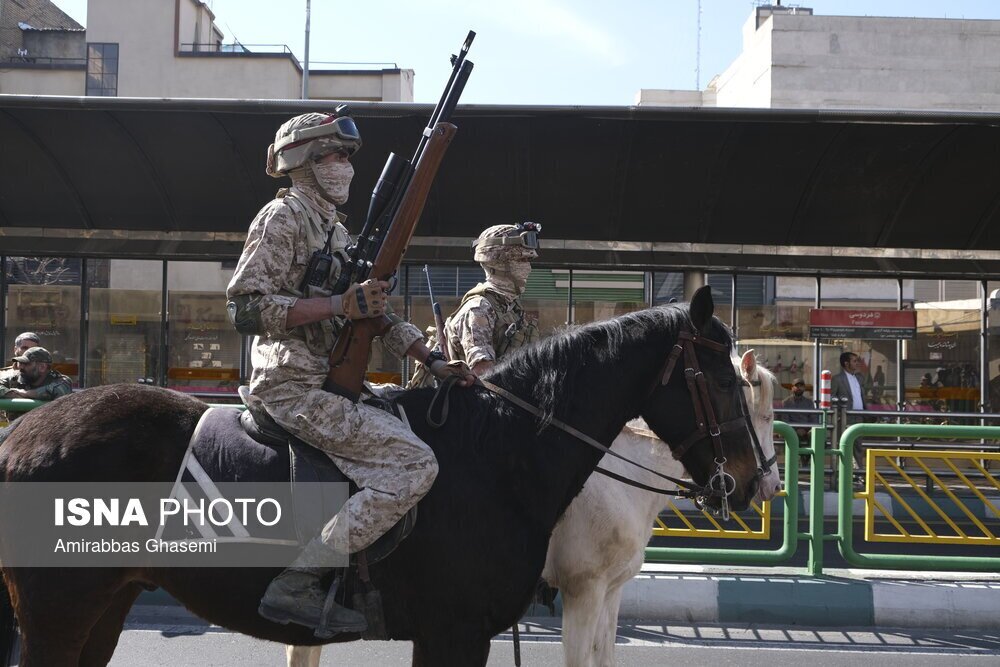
(322, 629)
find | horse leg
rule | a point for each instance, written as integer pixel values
(104, 635)
(303, 656)
(581, 613)
(607, 629)
(455, 650)
(57, 609)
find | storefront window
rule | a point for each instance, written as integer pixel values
(877, 357)
(722, 295)
(772, 319)
(941, 365)
(203, 349)
(123, 338)
(43, 296)
(602, 295)
(993, 347)
(667, 287)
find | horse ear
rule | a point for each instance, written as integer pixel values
(702, 307)
(748, 364)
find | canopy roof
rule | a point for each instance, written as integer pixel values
(612, 186)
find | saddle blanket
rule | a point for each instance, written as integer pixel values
(301, 478)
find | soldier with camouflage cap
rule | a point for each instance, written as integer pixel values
(296, 324)
(490, 321)
(34, 377)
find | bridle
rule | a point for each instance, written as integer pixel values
(721, 484)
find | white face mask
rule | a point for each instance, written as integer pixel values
(511, 277)
(520, 271)
(335, 179)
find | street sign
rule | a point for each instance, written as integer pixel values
(865, 324)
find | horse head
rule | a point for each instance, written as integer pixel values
(759, 392)
(698, 407)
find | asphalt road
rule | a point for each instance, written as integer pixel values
(163, 643)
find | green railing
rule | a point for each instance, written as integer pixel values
(752, 556)
(19, 404)
(815, 536)
(846, 495)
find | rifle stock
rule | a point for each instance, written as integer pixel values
(349, 358)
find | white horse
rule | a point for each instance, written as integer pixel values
(599, 543)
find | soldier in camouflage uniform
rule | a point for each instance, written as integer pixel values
(490, 321)
(33, 377)
(296, 324)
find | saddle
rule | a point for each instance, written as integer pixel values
(231, 445)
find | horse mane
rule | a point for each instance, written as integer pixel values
(543, 370)
(767, 382)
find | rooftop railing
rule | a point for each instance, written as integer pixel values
(42, 60)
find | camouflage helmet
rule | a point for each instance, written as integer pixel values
(500, 244)
(309, 137)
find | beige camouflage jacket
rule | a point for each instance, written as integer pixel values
(280, 242)
(471, 329)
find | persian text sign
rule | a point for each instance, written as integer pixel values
(868, 324)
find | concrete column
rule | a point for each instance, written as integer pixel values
(692, 281)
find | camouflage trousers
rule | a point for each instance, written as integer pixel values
(392, 467)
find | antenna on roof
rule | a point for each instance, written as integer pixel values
(697, 56)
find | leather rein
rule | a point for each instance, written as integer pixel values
(721, 484)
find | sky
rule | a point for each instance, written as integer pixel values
(561, 52)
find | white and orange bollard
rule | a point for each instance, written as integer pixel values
(824, 389)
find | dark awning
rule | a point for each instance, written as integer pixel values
(612, 186)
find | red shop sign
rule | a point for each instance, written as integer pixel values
(867, 324)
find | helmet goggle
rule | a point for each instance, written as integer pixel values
(340, 127)
(524, 234)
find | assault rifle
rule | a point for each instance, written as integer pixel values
(393, 212)
(438, 317)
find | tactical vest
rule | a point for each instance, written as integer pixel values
(510, 332)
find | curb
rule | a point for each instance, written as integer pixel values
(751, 599)
(812, 601)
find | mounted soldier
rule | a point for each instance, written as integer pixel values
(490, 320)
(282, 293)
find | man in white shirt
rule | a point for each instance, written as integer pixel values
(847, 385)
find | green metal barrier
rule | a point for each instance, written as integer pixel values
(753, 556)
(19, 404)
(846, 495)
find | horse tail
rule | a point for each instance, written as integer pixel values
(8, 626)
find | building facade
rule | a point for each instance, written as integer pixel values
(795, 59)
(163, 48)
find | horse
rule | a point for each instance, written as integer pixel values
(468, 569)
(598, 544)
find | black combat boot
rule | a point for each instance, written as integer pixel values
(298, 596)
